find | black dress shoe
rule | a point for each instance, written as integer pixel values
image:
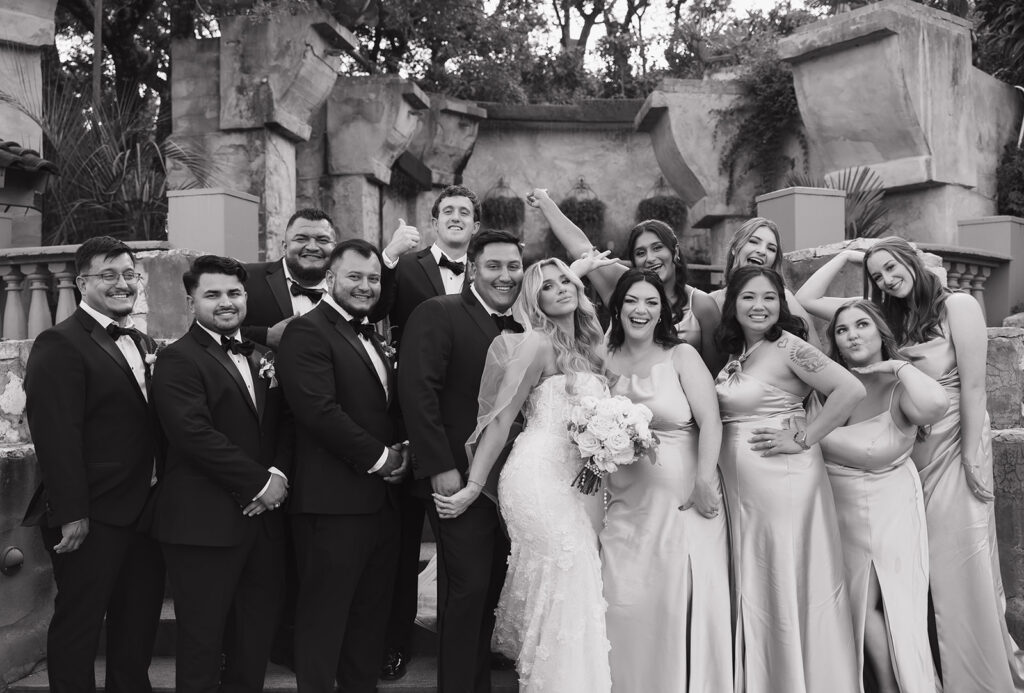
(394, 667)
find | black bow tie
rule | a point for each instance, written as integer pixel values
(506, 322)
(363, 329)
(313, 295)
(457, 268)
(233, 346)
(115, 331)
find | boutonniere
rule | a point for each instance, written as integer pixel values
(390, 349)
(151, 352)
(266, 368)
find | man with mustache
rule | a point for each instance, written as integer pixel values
(282, 289)
(409, 280)
(86, 387)
(217, 511)
(444, 347)
(349, 456)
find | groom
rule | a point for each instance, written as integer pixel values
(444, 346)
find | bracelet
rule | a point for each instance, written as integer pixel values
(470, 481)
(900, 368)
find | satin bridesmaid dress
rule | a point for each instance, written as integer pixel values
(794, 632)
(881, 520)
(665, 571)
(975, 648)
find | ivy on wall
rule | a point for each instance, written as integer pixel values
(667, 208)
(762, 120)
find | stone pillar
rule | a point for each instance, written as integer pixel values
(447, 137)
(1003, 235)
(214, 220)
(1004, 384)
(371, 121)
(25, 27)
(891, 86)
(807, 217)
(248, 97)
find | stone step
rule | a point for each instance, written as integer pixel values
(422, 678)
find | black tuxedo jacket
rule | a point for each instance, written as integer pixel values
(220, 445)
(343, 419)
(414, 279)
(269, 301)
(442, 359)
(94, 434)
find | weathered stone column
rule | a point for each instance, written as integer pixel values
(680, 116)
(25, 27)
(371, 121)
(249, 96)
(1005, 387)
(1003, 235)
(807, 217)
(891, 86)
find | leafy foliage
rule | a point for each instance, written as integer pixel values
(865, 215)
(1010, 181)
(764, 117)
(113, 169)
(1001, 39)
(667, 208)
(506, 213)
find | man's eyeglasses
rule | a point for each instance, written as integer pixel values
(111, 277)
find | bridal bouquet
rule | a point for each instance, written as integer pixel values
(609, 432)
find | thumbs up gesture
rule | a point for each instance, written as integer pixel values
(404, 239)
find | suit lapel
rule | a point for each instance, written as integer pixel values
(105, 342)
(220, 356)
(279, 288)
(479, 314)
(349, 335)
(433, 272)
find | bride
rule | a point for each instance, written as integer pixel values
(551, 614)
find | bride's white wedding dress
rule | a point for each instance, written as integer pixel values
(551, 615)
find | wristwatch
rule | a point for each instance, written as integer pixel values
(800, 438)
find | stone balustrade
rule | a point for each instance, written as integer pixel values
(968, 269)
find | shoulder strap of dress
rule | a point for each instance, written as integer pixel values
(892, 393)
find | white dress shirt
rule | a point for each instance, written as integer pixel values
(452, 282)
(375, 359)
(242, 364)
(301, 304)
(131, 352)
(125, 345)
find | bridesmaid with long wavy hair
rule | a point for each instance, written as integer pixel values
(944, 334)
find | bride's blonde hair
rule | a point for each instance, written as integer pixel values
(573, 353)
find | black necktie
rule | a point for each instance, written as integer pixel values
(233, 346)
(363, 329)
(115, 331)
(313, 295)
(457, 268)
(506, 322)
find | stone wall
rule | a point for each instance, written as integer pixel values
(26, 597)
(553, 147)
(1005, 385)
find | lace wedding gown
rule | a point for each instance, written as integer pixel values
(551, 614)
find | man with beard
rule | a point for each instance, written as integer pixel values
(410, 280)
(282, 289)
(349, 456)
(444, 347)
(86, 387)
(229, 453)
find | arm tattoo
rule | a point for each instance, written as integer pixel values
(807, 357)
